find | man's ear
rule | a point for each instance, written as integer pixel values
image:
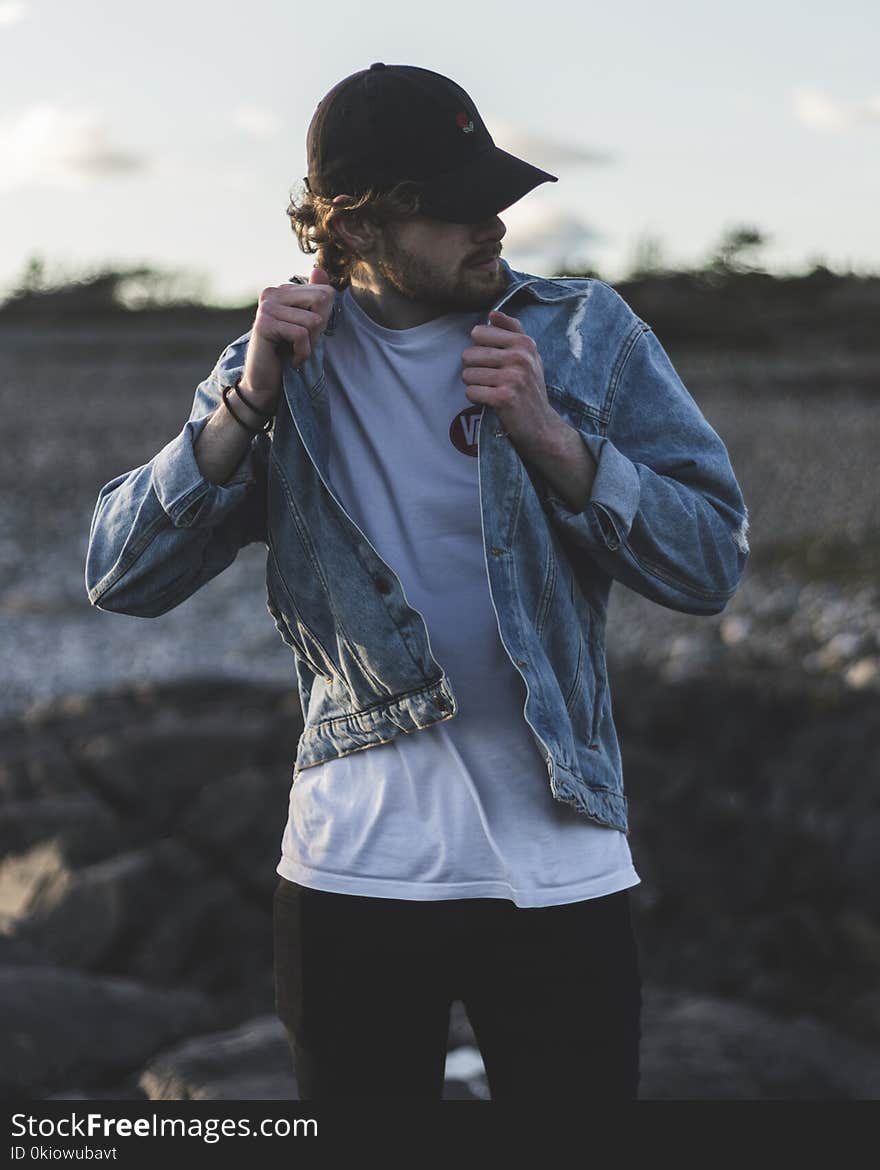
(356, 231)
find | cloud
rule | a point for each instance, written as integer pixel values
(821, 112)
(544, 151)
(54, 147)
(257, 121)
(11, 13)
(558, 235)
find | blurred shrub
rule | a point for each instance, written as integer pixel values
(100, 293)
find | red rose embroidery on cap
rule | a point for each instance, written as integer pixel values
(464, 123)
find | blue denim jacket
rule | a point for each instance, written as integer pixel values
(666, 518)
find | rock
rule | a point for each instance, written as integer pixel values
(16, 952)
(78, 918)
(59, 1026)
(34, 766)
(698, 1047)
(121, 1092)
(734, 630)
(84, 828)
(160, 767)
(250, 1062)
(863, 673)
(238, 816)
(161, 914)
(23, 877)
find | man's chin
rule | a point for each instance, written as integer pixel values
(481, 287)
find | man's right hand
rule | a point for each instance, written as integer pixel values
(289, 317)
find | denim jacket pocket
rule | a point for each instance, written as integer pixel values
(564, 623)
(294, 631)
(585, 700)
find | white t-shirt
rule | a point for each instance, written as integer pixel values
(462, 809)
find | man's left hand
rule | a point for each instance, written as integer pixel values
(504, 369)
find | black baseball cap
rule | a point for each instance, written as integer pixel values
(391, 123)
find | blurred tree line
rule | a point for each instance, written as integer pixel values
(728, 299)
(732, 300)
(104, 291)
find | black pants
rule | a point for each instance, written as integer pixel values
(364, 987)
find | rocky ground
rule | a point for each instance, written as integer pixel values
(144, 769)
(141, 831)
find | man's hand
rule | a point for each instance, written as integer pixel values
(504, 369)
(291, 315)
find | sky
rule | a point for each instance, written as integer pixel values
(173, 133)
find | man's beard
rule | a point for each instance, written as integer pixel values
(468, 290)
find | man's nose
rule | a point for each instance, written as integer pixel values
(493, 228)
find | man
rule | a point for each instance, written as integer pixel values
(462, 458)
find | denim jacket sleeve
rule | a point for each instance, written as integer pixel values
(666, 516)
(163, 530)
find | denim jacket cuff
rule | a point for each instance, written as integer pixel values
(614, 498)
(189, 499)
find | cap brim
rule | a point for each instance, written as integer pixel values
(483, 187)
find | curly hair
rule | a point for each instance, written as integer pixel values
(312, 218)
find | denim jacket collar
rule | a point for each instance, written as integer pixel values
(540, 288)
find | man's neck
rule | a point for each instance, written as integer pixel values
(392, 309)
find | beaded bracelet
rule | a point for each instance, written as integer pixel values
(251, 430)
